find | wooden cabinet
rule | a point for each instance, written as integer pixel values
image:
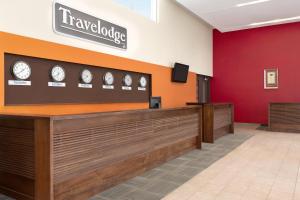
(284, 117)
(77, 156)
(218, 120)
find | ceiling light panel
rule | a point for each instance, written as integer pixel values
(226, 16)
(275, 21)
(251, 3)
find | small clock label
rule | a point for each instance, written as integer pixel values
(141, 89)
(56, 84)
(19, 82)
(126, 88)
(83, 85)
(108, 87)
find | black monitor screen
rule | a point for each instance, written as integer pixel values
(155, 102)
(180, 73)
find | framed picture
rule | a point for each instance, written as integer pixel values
(271, 78)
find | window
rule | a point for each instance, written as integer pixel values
(146, 8)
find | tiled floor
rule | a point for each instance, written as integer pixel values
(265, 167)
(157, 183)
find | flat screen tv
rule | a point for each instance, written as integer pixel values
(180, 73)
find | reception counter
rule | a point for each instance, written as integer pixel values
(284, 117)
(218, 120)
(73, 157)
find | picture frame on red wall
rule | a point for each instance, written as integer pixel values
(271, 78)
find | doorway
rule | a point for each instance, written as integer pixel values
(203, 88)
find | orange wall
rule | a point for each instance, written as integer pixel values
(173, 94)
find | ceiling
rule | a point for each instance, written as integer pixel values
(225, 15)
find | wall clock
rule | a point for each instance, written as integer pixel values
(143, 82)
(86, 76)
(58, 73)
(21, 70)
(108, 78)
(127, 80)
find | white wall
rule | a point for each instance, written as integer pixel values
(177, 37)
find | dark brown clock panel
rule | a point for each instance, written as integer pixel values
(40, 93)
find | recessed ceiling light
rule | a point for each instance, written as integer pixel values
(275, 21)
(251, 3)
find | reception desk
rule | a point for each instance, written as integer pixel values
(218, 120)
(284, 117)
(73, 157)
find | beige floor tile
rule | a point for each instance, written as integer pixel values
(184, 192)
(254, 195)
(265, 167)
(202, 196)
(276, 195)
(228, 196)
(213, 189)
(297, 192)
(234, 188)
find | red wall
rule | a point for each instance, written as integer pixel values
(239, 61)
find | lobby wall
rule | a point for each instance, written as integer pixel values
(170, 92)
(178, 36)
(240, 58)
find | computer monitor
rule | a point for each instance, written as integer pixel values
(155, 102)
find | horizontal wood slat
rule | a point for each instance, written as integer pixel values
(17, 186)
(17, 171)
(84, 149)
(16, 151)
(74, 157)
(222, 117)
(93, 182)
(284, 117)
(218, 120)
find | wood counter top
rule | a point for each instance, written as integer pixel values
(214, 104)
(80, 115)
(285, 103)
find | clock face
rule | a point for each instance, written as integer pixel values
(108, 78)
(143, 81)
(21, 70)
(58, 73)
(86, 76)
(127, 80)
